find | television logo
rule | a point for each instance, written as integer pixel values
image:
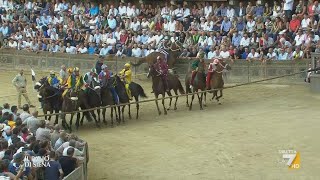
(291, 158)
(37, 161)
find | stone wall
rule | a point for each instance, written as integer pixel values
(242, 71)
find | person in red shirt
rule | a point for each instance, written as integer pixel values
(294, 25)
(212, 67)
(123, 37)
(162, 67)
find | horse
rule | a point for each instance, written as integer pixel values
(199, 83)
(216, 81)
(175, 85)
(135, 89)
(49, 97)
(173, 53)
(107, 100)
(158, 87)
(93, 98)
(70, 103)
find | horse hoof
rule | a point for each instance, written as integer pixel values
(205, 105)
(168, 109)
(219, 103)
(159, 113)
(175, 108)
(190, 109)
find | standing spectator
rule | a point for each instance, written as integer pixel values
(20, 82)
(68, 163)
(54, 171)
(42, 133)
(32, 122)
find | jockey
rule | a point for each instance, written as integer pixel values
(195, 66)
(126, 76)
(89, 77)
(162, 67)
(104, 76)
(74, 81)
(54, 81)
(212, 67)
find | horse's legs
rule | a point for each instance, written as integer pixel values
(205, 100)
(113, 108)
(187, 104)
(95, 118)
(122, 113)
(129, 112)
(169, 94)
(201, 98)
(77, 120)
(64, 123)
(137, 105)
(156, 96)
(57, 117)
(164, 106)
(215, 93)
(71, 118)
(99, 116)
(51, 112)
(45, 113)
(104, 115)
(119, 112)
(175, 103)
(81, 121)
(190, 107)
(218, 97)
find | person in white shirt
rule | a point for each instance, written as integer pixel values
(70, 49)
(253, 55)
(211, 53)
(186, 10)
(113, 11)
(230, 13)
(245, 40)
(105, 50)
(165, 11)
(136, 52)
(104, 36)
(172, 25)
(305, 22)
(144, 24)
(251, 25)
(82, 49)
(165, 25)
(111, 41)
(122, 9)
(287, 7)
(178, 12)
(120, 52)
(207, 10)
(97, 37)
(271, 55)
(135, 25)
(300, 38)
(13, 44)
(130, 10)
(224, 53)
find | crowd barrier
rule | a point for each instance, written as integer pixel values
(81, 172)
(242, 70)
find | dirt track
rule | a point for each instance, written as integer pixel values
(239, 139)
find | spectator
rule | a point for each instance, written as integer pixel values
(42, 133)
(26, 113)
(68, 162)
(32, 122)
(282, 55)
(253, 55)
(55, 171)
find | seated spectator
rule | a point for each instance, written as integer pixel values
(282, 55)
(18, 168)
(271, 55)
(55, 134)
(253, 55)
(32, 122)
(297, 54)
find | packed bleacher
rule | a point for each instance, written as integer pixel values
(31, 148)
(284, 30)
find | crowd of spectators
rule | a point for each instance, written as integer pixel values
(25, 139)
(283, 30)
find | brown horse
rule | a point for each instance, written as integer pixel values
(71, 102)
(174, 52)
(216, 81)
(158, 87)
(175, 85)
(198, 84)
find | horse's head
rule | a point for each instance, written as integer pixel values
(152, 72)
(43, 81)
(223, 65)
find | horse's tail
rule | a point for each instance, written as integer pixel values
(180, 87)
(141, 60)
(141, 91)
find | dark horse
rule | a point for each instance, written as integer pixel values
(49, 97)
(93, 98)
(107, 100)
(216, 81)
(136, 91)
(71, 102)
(158, 87)
(175, 85)
(199, 83)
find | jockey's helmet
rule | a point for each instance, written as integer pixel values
(216, 61)
(103, 67)
(127, 65)
(76, 69)
(52, 73)
(93, 70)
(70, 70)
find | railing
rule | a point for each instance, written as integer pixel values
(242, 70)
(81, 172)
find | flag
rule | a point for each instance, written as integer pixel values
(33, 75)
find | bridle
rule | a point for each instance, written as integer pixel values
(223, 67)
